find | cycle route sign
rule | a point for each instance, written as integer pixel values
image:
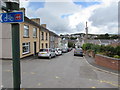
(12, 17)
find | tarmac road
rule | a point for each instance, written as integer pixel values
(66, 71)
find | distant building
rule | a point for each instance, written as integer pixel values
(52, 39)
(64, 43)
(59, 42)
(113, 42)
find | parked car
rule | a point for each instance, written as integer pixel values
(64, 50)
(46, 53)
(78, 51)
(56, 52)
(69, 49)
(59, 51)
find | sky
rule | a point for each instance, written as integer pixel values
(70, 16)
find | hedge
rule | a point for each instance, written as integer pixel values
(106, 50)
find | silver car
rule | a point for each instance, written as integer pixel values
(78, 51)
(46, 53)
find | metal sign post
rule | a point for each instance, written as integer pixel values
(16, 56)
(14, 18)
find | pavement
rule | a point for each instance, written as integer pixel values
(91, 61)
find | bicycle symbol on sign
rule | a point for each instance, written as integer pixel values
(8, 18)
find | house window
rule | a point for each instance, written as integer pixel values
(46, 36)
(26, 48)
(42, 36)
(35, 32)
(46, 45)
(42, 45)
(26, 31)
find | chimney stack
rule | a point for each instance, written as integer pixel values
(37, 20)
(23, 10)
(86, 36)
(43, 25)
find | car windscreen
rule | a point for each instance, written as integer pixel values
(59, 49)
(78, 49)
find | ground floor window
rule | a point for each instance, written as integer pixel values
(26, 48)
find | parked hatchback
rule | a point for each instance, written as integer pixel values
(64, 50)
(78, 51)
(59, 51)
(46, 53)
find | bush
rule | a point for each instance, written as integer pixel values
(117, 50)
(70, 44)
(116, 56)
(96, 48)
(87, 46)
(110, 51)
(104, 50)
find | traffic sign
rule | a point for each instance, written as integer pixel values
(12, 17)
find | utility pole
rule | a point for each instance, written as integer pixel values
(86, 36)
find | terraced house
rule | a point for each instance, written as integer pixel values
(29, 37)
(33, 37)
(44, 37)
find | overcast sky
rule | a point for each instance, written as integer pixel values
(70, 16)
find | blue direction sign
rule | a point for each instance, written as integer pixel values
(12, 17)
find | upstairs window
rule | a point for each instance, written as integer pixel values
(34, 32)
(46, 36)
(42, 36)
(26, 31)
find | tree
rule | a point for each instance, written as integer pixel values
(73, 38)
(70, 44)
(114, 37)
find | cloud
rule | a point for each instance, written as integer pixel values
(52, 14)
(67, 17)
(105, 15)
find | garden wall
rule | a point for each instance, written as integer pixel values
(108, 62)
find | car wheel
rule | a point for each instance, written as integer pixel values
(50, 57)
(74, 55)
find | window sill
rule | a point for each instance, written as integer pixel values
(26, 37)
(26, 53)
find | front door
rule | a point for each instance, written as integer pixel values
(35, 52)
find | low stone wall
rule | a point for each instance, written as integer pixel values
(108, 62)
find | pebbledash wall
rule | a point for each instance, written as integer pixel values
(6, 39)
(108, 62)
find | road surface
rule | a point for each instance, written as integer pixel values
(66, 71)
